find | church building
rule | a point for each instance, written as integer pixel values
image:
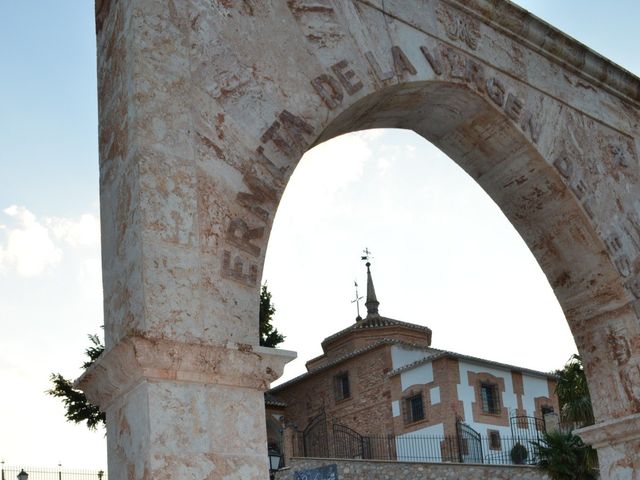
(380, 388)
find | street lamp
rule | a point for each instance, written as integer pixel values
(23, 475)
(275, 457)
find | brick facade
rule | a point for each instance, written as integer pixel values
(446, 377)
(368, 407)
(380, 377)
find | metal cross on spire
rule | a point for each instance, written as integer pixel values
(357, 302)
(367, 255)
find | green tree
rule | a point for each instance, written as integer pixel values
(269, 336)
(78, 408)
(573, 394)
(563, 456)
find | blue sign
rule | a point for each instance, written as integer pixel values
(329, 472)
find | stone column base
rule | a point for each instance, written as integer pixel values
(618, 444)
(177, 410)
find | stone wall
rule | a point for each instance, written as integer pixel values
(380, 470)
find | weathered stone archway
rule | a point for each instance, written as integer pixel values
(206, 106)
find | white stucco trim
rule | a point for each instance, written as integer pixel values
(434, 393)
(402, 356)
(417, 376)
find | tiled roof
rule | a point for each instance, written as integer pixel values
(375, 321)
(448, 354)
(434, 355)
(355, 353)
(271, 400)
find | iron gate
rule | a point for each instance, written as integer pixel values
(350, 444)
(315, 440)
(469, 444)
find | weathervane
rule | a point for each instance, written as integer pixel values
(367, 255)
(357, 301)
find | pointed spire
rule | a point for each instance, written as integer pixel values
(372, 302)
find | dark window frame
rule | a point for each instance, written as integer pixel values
(546, 409)
(413, 406)
(495, 441)
(490, 398)
(342, 386)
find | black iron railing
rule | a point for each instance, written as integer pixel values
(345, 443)
(58, 473)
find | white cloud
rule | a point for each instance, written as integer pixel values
(332, 166)
(30, 246)
(84, 232)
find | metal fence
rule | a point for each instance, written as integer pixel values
(58, 473)
(341, 443)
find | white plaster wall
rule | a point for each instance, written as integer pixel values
(466, 395)
(466, 392)
(533, 387)
(410, 447)
(417, 376)
(401, 356)
(395, 408)
(435, 395)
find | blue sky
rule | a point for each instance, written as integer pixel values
(441, 237)
(49, 106)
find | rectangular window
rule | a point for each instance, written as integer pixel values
(413, 408)
(342, 386)
(495, 442)
(490, 398)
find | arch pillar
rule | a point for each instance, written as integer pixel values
(205, 108)
(184, 410)
(618, 443)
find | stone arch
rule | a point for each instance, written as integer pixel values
(541, 197)
(206, 108)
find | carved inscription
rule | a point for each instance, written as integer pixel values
(381, 75)
(633, 282)
(288, 134)
(306, 6)
(240, 235)
(459, 27)
(318, 21)
(619, 258)
(401, 62)
(622, 245)
(260, 194)
(291, 142)
(347, 77)
(565, 166)
(628, 366)
(328, 89)
(342, 80)
(434, 63)
(235, 270)
(466, 69)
